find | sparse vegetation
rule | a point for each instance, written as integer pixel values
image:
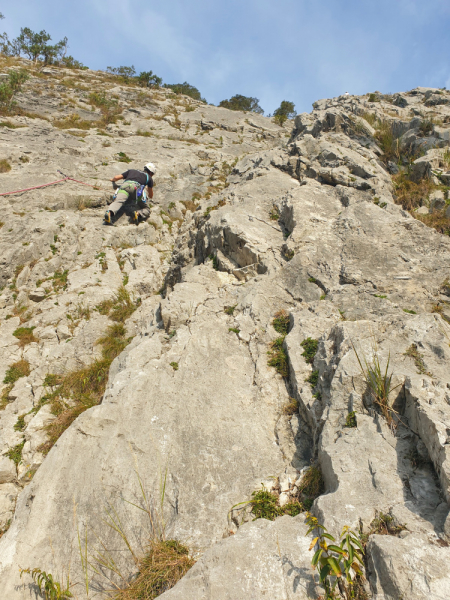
(48, 586)
(15, 453)
(25, 335)
(79, 390)
(384, 524)
(4, 166)
(311, 486)
(234, 330)
(229, 310)
(291, 407)
(274, 213)
(17, 370)
(417, 357)
(313, 379)
(164, 564)
(174, 366)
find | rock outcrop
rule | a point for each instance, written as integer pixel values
(249, 219)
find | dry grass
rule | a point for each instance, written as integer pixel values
(436, 220)
(25, 336)
(164, 564)
(4, 166)
(79, 390)
(410, 194)
(73, 122)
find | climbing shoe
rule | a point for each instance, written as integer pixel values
(108, 218)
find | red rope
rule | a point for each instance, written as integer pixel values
(36, 187)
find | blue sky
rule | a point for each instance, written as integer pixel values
(298, 50)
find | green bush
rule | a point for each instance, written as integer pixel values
(10, 87)
(244, 103)
(185, 88)
(285, 111)
(310, 349)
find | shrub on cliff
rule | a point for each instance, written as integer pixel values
(244, 103)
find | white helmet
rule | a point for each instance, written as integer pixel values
(150, 167)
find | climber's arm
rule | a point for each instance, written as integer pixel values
(150, 192)
(116, 178)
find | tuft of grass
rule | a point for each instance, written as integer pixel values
(120, 307)
(311, 486)
(379, 383)
(384, 524)
(291, 407)
(265, 505)
(16, 371)
(25, 335)
(164, 564)
(174, 366)
(417, 357)
(350, 421)
(59, 279)
(410, 312)
(122, 157)
(229, 310)
(73, 121)
(274, 214)
(83, 389)
(278, 357)
(310, 349)
(4, 166)
(281, 322)
(20, 423)
(15, 453)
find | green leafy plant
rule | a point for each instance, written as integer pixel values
(174, 366)
(48, 586)
(409, 311)
(338, 562)
(229, 310)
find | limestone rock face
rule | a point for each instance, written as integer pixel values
(248, 219)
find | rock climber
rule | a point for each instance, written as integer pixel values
(127, 192)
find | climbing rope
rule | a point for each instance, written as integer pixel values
(37, 187)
